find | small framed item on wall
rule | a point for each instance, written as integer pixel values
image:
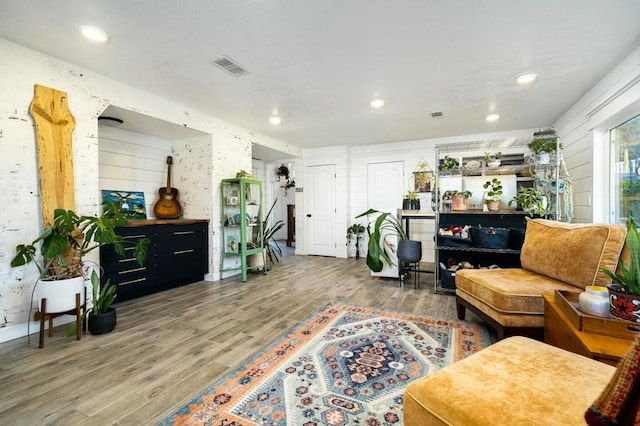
(423, 181)
(232, 244)
(131, 203)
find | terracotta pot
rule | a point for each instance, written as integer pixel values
(458, 203)
(623, 305)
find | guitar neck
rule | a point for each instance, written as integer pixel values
(169, 178)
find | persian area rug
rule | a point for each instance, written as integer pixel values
(345, 365)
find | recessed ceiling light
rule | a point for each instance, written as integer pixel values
(493, 117)
(274, 119)
(525, 80)
(377, 103)
(94, 33)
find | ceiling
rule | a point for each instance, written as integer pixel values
(320, 63)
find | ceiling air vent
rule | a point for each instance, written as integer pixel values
(229, 66)
(437, 114)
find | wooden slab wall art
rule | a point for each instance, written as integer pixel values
(54, 128)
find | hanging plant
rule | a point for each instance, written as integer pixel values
(288, 184)
(283, 171)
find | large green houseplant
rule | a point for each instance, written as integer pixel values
(386, 224)
(624, 292)
(71, 237)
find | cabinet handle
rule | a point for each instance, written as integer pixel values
(130, 271)
(132, 281)
(126, 260)
(183, 251)
(183, 232)
(129, 237)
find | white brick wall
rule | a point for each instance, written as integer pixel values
(224, 150)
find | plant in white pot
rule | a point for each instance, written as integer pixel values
(63, 247)
(543, 144)
(492, 160)
(492, 197)
(624, 292)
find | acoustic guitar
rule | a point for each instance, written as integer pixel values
(168, 207)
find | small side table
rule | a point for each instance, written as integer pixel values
(560, 332)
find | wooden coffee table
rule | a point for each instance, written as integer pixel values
(560, 332)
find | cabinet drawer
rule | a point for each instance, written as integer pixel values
(182, 239)
(182, 265)
(108, 254)
(127, 264)
(135, 276)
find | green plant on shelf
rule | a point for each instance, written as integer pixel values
(448, 163)
(495, 189)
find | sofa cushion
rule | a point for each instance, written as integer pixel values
(509, 291)
(573, 253)
(516, 381)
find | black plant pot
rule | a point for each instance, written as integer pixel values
(102, 323)
(409, 251)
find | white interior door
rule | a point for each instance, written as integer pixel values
(320, 187)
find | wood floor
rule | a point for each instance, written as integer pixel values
(168, 347)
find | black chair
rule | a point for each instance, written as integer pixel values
(409, 256)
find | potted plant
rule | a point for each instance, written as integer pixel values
(385, 224)
(63, 246)
(356, 230)
(282, 171)
(411, 202)
(492, 197)
(102, 316)
(530, 200)
(624, 292)
(492, 160)
(448, 163)
(272, 250)
(544, 143)
(459, 199)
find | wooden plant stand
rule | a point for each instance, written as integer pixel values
(43, 316)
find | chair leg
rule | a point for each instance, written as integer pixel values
(43, 310)
(461, 310)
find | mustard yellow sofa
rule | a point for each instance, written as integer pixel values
(554, 256)
(517, 381)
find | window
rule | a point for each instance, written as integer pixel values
(625, 141)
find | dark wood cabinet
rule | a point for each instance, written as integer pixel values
(177, 255)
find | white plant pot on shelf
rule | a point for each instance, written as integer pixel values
(60, 294)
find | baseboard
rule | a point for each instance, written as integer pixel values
(20, 330)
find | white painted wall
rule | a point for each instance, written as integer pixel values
(227, 146)
(583, 132)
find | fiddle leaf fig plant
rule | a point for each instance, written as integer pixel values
(375, 251)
